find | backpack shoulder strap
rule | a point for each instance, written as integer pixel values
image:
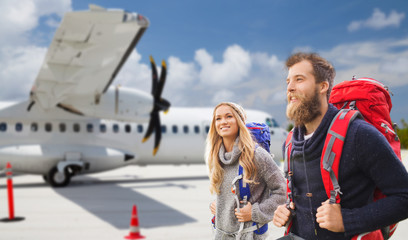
(288, 175)
(244, 191)
(332, 150)
(286, 165)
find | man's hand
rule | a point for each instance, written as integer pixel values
(245, 213)
(213, 207)
(329, 217)
(282, 215)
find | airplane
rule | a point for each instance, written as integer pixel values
(75, 122)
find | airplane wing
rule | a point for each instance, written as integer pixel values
(86, 53)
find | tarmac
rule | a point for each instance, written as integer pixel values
(172, 203)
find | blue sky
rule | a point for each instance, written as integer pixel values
(225, 50)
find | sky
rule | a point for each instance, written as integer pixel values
(225, 50)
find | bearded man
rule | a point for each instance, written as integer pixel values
(367, 161)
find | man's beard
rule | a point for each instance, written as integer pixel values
(306, 111)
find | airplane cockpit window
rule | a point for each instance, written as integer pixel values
(102, 128)
(89, 127)
(196, 129)
(19, 127)
(3, 126)
(34, 127)
(62, 127)
(115, 128)
(128, 128)
(185, 129)
(48, 127)
(174, 128)
(139, 128)
(76, 127)
(163, 128)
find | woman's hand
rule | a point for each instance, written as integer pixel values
(213, 207)
(245, 213)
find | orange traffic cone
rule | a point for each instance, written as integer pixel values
(134, 232)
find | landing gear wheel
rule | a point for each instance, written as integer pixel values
(58, 179)
(45, 177)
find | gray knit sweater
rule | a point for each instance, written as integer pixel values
(266, 196)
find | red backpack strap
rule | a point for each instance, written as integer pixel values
(333, 147)
(286, 166)
(288, 175)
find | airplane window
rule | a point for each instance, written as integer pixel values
(207, 129)
(62, 127)
(163, 128)
(275, 123)
(3, 126)
(115, 128)
(34, 127)
(185, 129)
(76, 127)
(139, 128)
(268, 122)
(89, 127)
(271, 122)
(102, 128)
(196, 129)
(48, 127)
(19, 127)
(175, 129)
(128, 128)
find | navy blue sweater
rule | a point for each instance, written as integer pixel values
(367, 161)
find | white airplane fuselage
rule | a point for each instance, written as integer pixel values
(35, 141)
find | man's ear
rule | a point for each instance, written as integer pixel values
(324, 87)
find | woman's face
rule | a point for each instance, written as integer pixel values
(225, 122)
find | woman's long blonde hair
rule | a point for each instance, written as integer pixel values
(246, 146)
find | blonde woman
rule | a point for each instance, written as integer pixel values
(229, 144)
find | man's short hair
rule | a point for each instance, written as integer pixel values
(323, 70)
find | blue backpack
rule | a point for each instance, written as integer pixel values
(261, 134)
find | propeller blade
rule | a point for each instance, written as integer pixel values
(157, 139)
(162, 80)
(150, 128)
(154, 76)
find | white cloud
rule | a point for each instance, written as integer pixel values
(20, 67)
(135, 74)
(378, 21)
(232, 70)
(377, 59)
(397, 65)
(181, 75)
(23, 16)
(223, 96)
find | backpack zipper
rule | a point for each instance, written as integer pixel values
(376, 82)
(387, 128)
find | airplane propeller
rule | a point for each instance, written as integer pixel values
(159, 104)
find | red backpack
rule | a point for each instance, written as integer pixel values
(363, 97)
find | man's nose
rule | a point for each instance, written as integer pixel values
(290, 87)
